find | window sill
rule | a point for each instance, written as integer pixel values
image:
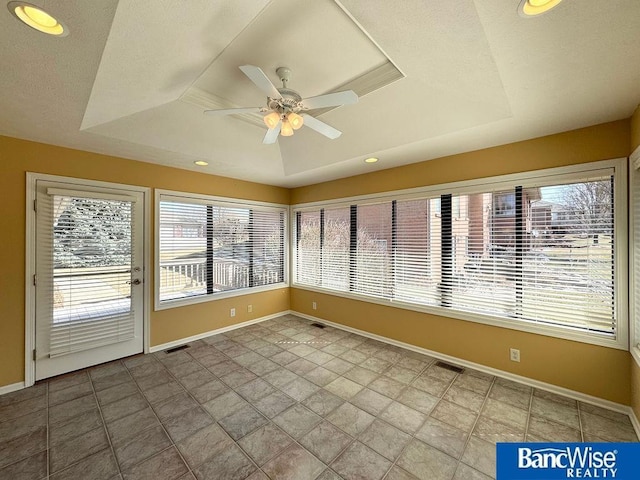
(566, 333)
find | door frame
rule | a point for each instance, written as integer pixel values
(30, 260)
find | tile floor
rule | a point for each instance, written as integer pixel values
(282, 400)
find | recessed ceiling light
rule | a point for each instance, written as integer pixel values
(37, 19)
(201, 163)
(532, 8)
(370, 160)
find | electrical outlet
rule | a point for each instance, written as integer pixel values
(233, 312)
(514, 354)
(249, 308)
(314, 305)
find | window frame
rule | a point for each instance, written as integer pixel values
(195, 198)
(528, 179)
(634, 276)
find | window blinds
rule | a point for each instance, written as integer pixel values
(84, 271)
(635, 275)
(210, 247)
(540, 252)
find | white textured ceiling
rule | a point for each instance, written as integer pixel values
(134, 76)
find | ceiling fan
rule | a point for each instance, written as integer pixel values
(287, 107)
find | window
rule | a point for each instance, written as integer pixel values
(209, 246)
(635, 251)
(538, 252)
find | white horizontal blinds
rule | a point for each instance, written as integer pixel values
(541, 252)
(183, 250)
(417, 252)
(568, 251)
(336, 248)
(208, 247)
(373, 263)
(308, 239)
(267, 240)
(635, 297)
(483, 252)
(231, 248)
(85, 264)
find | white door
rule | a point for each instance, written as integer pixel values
(89, 272)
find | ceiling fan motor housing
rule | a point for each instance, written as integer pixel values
(290, 101)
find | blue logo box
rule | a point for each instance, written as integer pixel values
(552, 461)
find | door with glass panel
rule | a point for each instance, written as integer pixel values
(89, 272)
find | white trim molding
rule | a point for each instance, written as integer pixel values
(200, 336)
(634, 334)
(30, 257)
(634, 421)
(618, 338)
(14, 387)
(161, 195)
(583, 397)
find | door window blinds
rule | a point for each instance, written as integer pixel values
(84, 270)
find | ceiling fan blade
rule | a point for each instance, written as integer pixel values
(231, 111)
(321, 127)
(257, 76)
(347, 97)
(272, 134)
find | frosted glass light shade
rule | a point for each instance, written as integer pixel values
(287, 129)
(272, 119)
(295, 120)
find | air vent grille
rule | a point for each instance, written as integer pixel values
(176, 349)
(448, 366)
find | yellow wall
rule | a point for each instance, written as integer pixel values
(18, 157)
(610, 140)
(635, 387)
(602, 372)
(598, 371)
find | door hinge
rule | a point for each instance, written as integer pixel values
(35, 279)
(35, 206)
(34, 354)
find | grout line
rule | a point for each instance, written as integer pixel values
(46, 393)
(580, 422)
(154, 412)
(104, 423)
(155, 358)
(486, 397)
(526, 428)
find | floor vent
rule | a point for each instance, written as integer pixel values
(317, 325)
(176, 349)
(448, 366)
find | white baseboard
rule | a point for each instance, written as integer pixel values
(11, 388)
(583, 397)
(182, 341)
(634, 421)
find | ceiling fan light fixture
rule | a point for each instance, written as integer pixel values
(272, 119)
(37, 19)
(295, 120)
(287, 129)
(532, 8)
